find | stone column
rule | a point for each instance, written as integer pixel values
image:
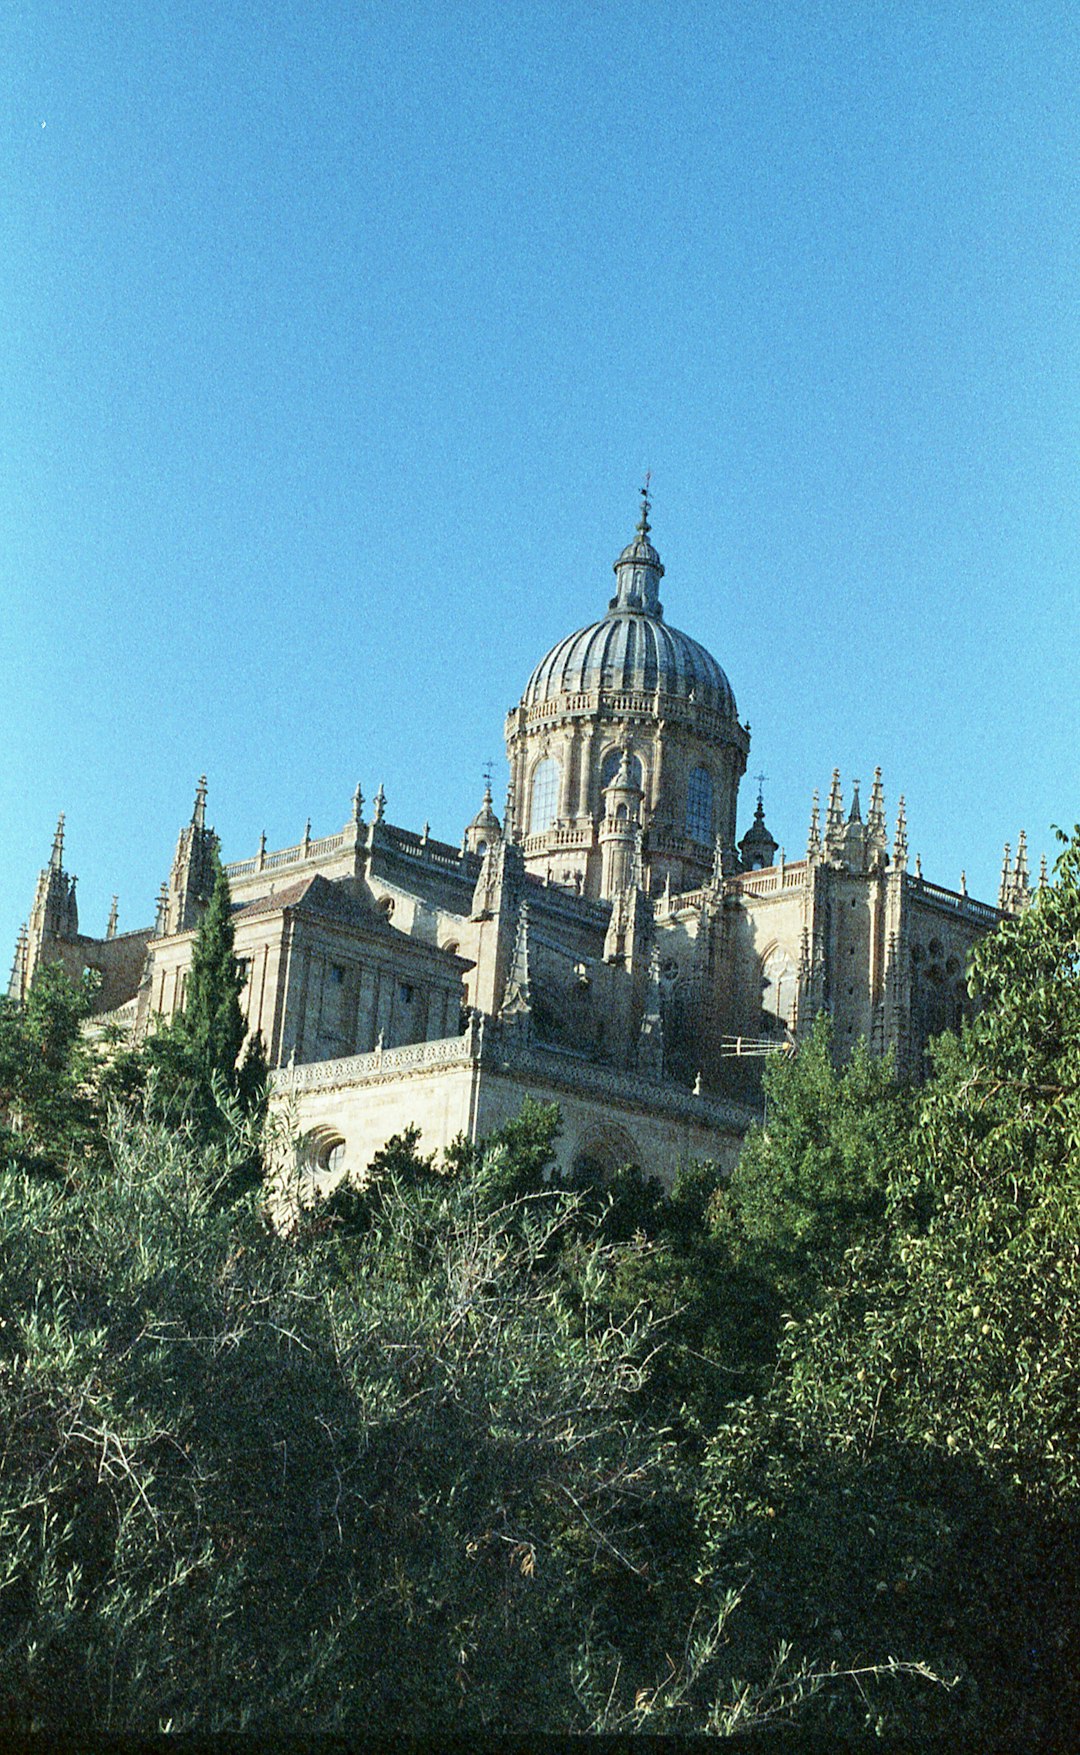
(586, 743)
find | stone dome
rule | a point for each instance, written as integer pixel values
(633, 647)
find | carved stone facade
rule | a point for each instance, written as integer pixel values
(610, 946)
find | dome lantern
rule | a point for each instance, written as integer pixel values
(639, 569)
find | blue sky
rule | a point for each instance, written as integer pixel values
(337, 338)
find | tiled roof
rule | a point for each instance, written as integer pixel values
(317, 895)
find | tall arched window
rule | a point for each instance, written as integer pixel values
(544, 797)
(609, 767)
(699, 803)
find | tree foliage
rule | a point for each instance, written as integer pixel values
(913, 1471)
(49, 1111)
(469, 1450)
(198, 1063)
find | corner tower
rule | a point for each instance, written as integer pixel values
(632, 684)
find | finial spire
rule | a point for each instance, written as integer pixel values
(1021, 882)
(646, 506)
(380, 805)
(198, 815)
(110, 930)
(875, 819)
(900, 845)
(56, 857)
(357, 805)
(813, 840)
(17, 983)
(834, 815)
(1005, 887)
(1043, 880)
(517, 994)
(855, 815)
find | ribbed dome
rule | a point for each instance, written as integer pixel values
(631, 649)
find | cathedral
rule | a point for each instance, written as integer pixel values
(608, 945)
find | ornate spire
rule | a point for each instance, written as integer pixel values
(900, 846)
(56, 857)
(1021, 881)
(834, 815)
(17, 984)
(1005, 886)
(162, 911)
(639, 569)
(813, 840)
(1042, 872)
(517, 994)
(379, 812)
(358, 805)
(875, 820)
(198, 815)
(110, 930)
(855, 815)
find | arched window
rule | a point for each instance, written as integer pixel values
(699, 803)
(544, 798)
(609, 767)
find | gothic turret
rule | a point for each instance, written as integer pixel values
(620, 831)
(192, 876)
(485, 828)
(54, 917)
(758, 847)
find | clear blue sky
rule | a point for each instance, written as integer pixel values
(336, 339)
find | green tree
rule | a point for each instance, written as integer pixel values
(813, 1177)
(350, 1482)
(198, 1074)
(49, 1119)
(911, 1480)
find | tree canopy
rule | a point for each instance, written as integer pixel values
(468, 1450)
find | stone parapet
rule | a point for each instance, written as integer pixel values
(488, 1048)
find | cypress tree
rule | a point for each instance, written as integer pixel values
(196, 1057)
(212, 1019)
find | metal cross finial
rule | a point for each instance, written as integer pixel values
(646, 504)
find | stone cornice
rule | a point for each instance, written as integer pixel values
(492, 1051)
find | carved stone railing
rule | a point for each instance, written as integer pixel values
(416, 846)
(548, 839)
(301, 854)
(496, 1051)
(966, 906)
(647, 702)
(773, 879)
(359, 1069)
(680, 900)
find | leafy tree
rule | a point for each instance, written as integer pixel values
(812, 1178)
(340, 1482)
(48, 1116)
(911, 1479)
